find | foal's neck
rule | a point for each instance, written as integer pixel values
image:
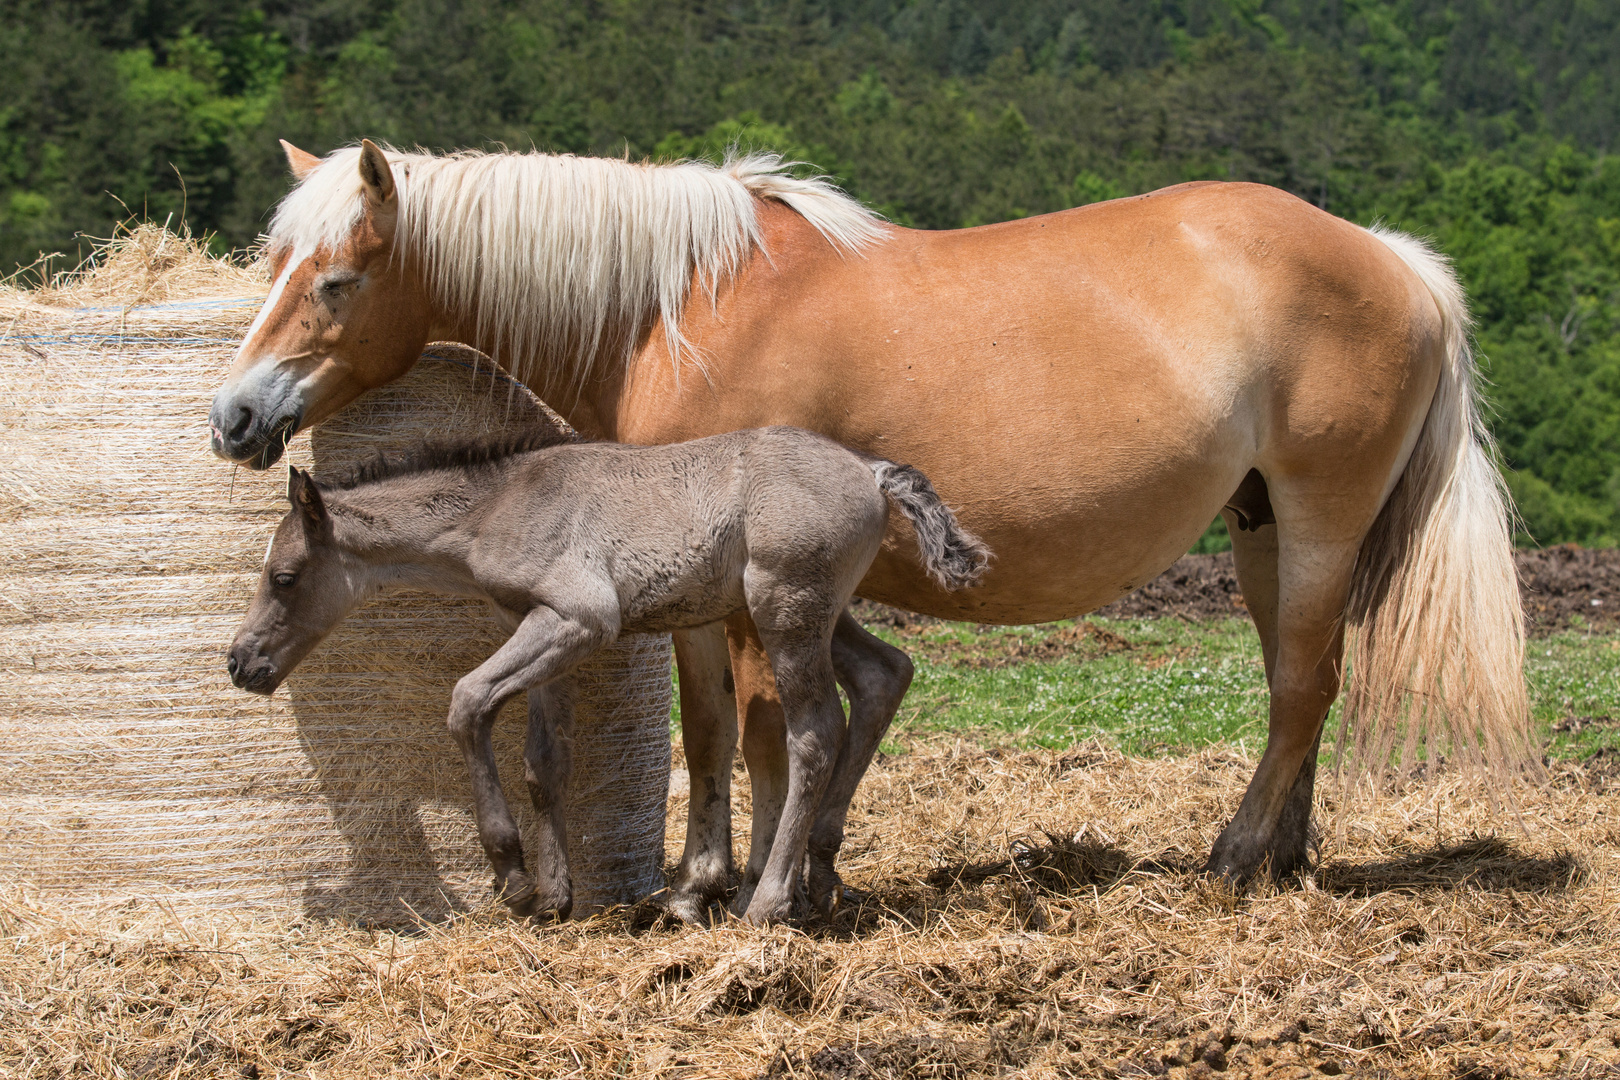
(414, 530)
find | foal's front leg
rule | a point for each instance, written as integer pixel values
(548, 763)
(544, 646)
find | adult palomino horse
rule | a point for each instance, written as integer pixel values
(1087, 388)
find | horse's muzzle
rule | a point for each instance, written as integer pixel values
(251, 672)
(238, 433)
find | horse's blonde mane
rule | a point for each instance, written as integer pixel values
(563, 260)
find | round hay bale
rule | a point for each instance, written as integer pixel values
(132, 771)
(620, 782)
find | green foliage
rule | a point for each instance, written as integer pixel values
(1484, 126)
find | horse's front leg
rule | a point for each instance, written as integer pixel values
(548, 762)
(709, 738)
(544, 646)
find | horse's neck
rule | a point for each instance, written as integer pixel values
(409, 530)
(596, 407)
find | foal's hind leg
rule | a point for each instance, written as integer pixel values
(764, 745)
(876, 676)
(796, 626)
(548, 762)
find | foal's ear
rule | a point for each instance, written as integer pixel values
(375, 173)
(300, 163)
(306, 499)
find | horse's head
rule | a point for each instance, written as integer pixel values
(308, 585)
(346, 313)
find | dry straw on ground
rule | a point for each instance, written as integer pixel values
(129, 766)
(984, 947)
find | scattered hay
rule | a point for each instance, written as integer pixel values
(131, 771)
(146, 264)
(1411, 953)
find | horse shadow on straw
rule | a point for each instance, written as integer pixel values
(1476, 864)
(370, 707)
(1050, 867)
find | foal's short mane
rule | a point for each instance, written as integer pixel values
(465, 456)
(562, 261)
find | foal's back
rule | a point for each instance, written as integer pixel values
(671, 529)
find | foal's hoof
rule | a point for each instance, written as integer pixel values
(518, 893)
(765, 913)
(689, 907)
(827, 896)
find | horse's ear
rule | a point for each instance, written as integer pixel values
(299, 162)
(375, 173)
(306, 499)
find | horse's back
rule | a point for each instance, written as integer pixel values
(1087, 387)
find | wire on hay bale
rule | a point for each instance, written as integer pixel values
(130, 768)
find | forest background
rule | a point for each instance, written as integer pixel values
(1488, 126)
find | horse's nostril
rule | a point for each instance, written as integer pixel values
(244, 421)
(231, 665)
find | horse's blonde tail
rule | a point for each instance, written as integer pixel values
(1435, 627)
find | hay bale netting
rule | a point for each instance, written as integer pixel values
(130, 769)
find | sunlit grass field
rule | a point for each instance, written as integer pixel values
(1167, 685)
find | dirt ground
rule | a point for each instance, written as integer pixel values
(1029, 914)
(1563, 586)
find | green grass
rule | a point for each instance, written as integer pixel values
(1178, 686)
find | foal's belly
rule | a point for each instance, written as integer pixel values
(696, 592)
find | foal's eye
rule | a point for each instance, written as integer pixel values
(335, 286)
(286, 581)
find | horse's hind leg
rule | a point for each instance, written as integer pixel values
(1255, 554)
(1314, 564)
(876, 676)
(548, 762)
(709, 738)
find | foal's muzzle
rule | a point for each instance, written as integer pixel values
(250, 671)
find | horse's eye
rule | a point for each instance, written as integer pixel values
(335, 286)
(286, 581)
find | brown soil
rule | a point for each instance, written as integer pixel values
(1564, 587)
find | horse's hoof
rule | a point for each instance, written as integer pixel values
(744, 897)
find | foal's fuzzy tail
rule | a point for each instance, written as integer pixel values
(952, 556)
(1434, 624)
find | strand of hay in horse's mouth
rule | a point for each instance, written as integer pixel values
(129, 766)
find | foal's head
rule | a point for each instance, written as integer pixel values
(344, 316)
(308, 585)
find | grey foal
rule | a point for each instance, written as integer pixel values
(573, 544)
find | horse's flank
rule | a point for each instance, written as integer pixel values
(566, 260)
